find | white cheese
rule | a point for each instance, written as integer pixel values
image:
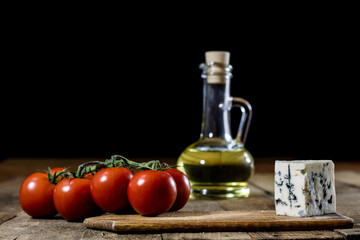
(304, 188)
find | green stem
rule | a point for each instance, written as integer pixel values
(54, 179)
(82, 169)
(118, 161)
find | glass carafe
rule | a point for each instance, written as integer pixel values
(218, 165)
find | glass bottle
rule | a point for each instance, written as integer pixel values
(217, 165)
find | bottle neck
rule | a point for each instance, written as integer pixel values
(216, 114)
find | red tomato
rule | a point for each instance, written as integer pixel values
(109, 188)
(89, 176)
(183, 188)
(36, 196)
(72, 199)
(152, 192)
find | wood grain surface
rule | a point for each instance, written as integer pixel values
(216, 221)
(16, 224)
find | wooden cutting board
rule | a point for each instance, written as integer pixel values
(216, 221)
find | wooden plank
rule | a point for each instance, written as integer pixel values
(348, 196)
(207, 235)
(5, 216)
(215, 221)
(308, 235)
(25, 227)
(256, 191)
(351, 233)
(349, 205)
(264, 181)
(201, 205)
(247, 204)
(348, 201)
(349, 177)
(13, 171)
(9, 198)
(16, 167)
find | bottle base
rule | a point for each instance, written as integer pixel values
(219, 190)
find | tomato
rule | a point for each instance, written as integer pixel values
(72, 199)
(109, 188)
(89, 176)
(183, 188)
(36, 196)
(151, 192)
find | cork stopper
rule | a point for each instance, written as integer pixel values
(219, 57)
(217, 62)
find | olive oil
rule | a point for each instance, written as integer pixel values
(217, 174)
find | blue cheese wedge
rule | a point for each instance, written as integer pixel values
(304, 188)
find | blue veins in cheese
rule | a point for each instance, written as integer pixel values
(304, 188)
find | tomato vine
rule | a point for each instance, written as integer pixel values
(113, 185)
(119, 161)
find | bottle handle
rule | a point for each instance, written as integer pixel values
(246, 114)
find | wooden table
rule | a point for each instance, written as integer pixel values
(15, 224)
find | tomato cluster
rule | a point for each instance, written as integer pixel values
(114, 189)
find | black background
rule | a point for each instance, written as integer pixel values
(95, 87)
